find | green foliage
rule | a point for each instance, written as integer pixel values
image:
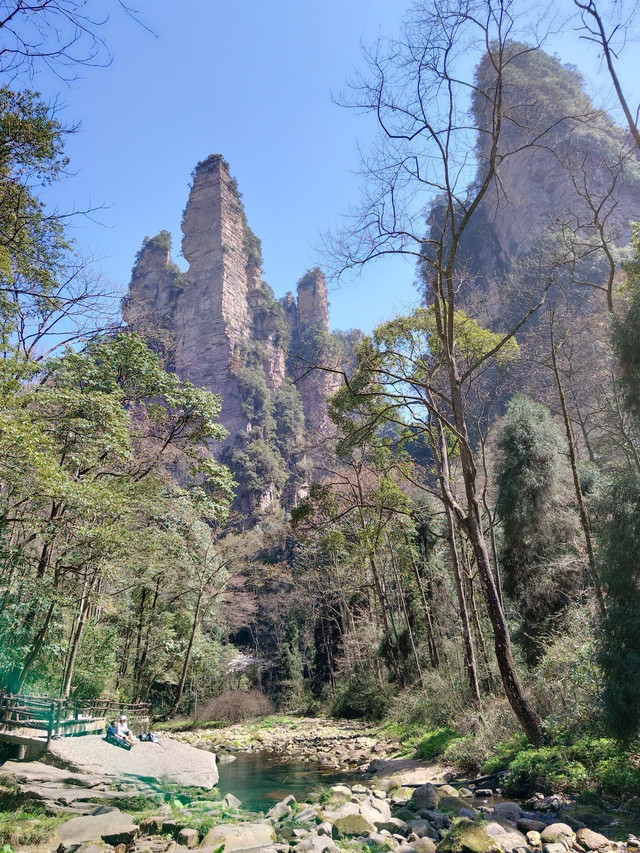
(359, 696)
(504, 751)
(619, 653)
(434, 743)
(291, 668)
(548, 770)
(257, 466)
(537, 528)
(590, 763)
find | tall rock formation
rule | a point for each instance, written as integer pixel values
(231, 336)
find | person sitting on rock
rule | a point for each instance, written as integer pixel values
(123, 731)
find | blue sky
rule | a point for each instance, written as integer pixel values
(253, 81)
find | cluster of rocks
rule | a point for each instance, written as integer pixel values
(382, 816)
(341, 745)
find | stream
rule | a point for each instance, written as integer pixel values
(262, 779)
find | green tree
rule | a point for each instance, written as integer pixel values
(540, 568)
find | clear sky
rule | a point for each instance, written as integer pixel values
(251, 80)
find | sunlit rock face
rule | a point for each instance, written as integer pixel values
(218, 319)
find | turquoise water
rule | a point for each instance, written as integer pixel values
(261, 779)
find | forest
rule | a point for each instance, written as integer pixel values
(463, 565)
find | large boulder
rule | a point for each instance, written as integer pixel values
(115, 827)
(591, 840)
(426, 797)
(466, 837)
(508, 811)
(243, 836)
(556, 833)
(351, 826)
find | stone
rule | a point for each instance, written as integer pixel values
(448, 791)
(422, 829)
(393, 825)
(534, 838)
(341, 790)
(508, 811)
(465, 792)
(114, 828)
(526, 824)
(424, 844)
(243, 836)
(359, 789)
(591, 840)
(554, 847)
(510, 840)
(484, 793)
(465, 837)
(231, 801)
(404, 813)
(452, 804)
(401, 796)
(494, 829)
(188, 837)
(426, 796)
(352, 825)
(306, 815)
(152, 825)
(469, 812)
(279, 811)
(325, 828)
(555, 833)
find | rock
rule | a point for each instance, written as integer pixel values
(401, 796)
(508, 811)
(426, 796)
(573, 822)
(556, 833)
(92, 847)
(452, 804)
(554, 848)
(494, 829)
(404, 813)
(483, 793)
(448, 791)
(465, 792)
(422, 829)
(151, 825)
(341, 791)
(534, 839)
(393, 825)
(469, 811)
(188, 837)
(231, 801)
(306, 815)
(465, 837)
(374, 809)
(352, 825)
(120, 848)
(114, 828)
(279, 811)
(325, 828)
(591, 840)
(510, 840)
(526, 824)
(359, 789)
(378, 794)
(240, 837)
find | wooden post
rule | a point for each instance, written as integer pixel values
(50, 721)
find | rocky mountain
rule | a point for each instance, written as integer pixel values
(222, 328)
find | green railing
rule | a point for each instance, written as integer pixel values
(54, 716)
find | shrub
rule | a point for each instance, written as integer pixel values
(504, 752)
(359, 697)
(236, 706)
(434, 743)
(548, 770)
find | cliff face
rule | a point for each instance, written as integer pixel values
(232, 337)
(559, 161)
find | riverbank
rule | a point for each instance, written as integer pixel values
(404, 806)
(340, 744)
